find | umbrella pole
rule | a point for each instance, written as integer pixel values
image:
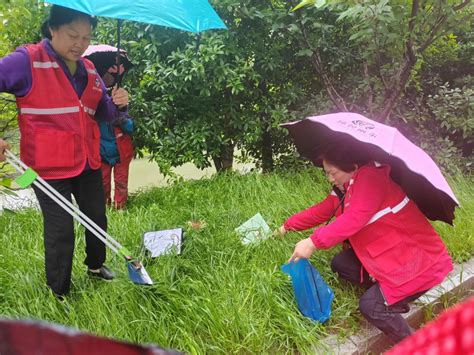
(117, 75)
(198, 42)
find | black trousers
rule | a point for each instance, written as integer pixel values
(372, 303)
(59, 227)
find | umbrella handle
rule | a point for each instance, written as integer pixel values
(117, 75)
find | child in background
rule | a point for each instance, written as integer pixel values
(116, 148)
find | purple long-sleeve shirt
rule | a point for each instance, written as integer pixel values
(16, 79)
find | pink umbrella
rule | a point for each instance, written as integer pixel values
(412, 168)
(93, 48)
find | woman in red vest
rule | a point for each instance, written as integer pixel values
(390, 247)
(60, 97)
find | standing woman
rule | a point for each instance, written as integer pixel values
(60, 97)
(392, 250)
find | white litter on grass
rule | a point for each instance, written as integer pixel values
(163, 242)
(253, 230)
(21, 199)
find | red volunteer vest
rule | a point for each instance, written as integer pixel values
(58, 131)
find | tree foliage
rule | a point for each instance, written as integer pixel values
(202, 98)
(397, 55)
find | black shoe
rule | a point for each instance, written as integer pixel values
(60, 298)
(103, 273)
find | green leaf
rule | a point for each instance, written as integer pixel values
(303, 3)
(317, 3)
(7, 182)
(304, 53)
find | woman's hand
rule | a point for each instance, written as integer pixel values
(120, 97)
(303, 250)
(3, 145)
(280, 232)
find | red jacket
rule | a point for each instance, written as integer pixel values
(124, 145)
(58, 130)
(398, 247)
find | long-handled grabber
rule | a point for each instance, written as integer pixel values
(136, 271)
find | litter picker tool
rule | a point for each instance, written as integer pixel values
(136, 271)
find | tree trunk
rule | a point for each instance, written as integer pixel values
(267, 146)
(394, 94)
(331, 90)
(318, 66)
(225, 160)
(401, 80)
(266, 142)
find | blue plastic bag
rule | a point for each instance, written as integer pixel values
(313, 295)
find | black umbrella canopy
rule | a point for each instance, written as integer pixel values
(312, 138)
(104, 57)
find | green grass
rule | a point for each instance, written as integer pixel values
(218, 296)
(460, 237)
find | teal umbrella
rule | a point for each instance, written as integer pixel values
(187, 15)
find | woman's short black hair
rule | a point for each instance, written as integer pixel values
(60, 15)
(345, 157)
